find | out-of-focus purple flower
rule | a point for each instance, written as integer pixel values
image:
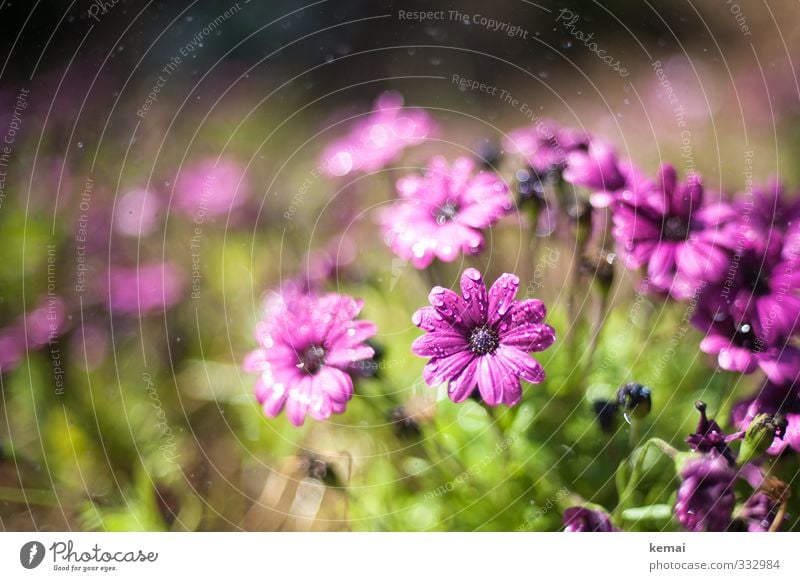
(443, 212)
(773, 398)
(45, 322)
(306, 344)
(759, 512)
(598, 169)
(483, 339)
(89, 344)
(705, 498)
(210, 187)
(709, 436)
(766, 215)
(545, 145)
(665, 226)
(12, 348)
(736, 344)
(137, 213)
(324, 264)
(143, 289)
(580, 519)
(379, 138)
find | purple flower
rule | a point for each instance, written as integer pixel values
(545, 145)
(143, 289)
(378, 139)
(768, 216)
(482, 340)
(306, 344)
(210, 187)
(759, 512)
(709, 436)
(137, 213)
(580, 519)
(665, 226)
(705, 498)
(12, 347)
(773, 398)
(443, 212)
(598, 169)
(736, 344)
(32, 331)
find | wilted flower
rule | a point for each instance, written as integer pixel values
(442, 213)
(665, 226)
(306, 344)
(482, 340)
(705, 497)
(709, 436)
(143, 289)
(580, 519)
(210, 187)
(379, 138)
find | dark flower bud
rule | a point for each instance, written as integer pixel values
(760, 434)
(580, 519)
(605, 412)
(634, 399)
(579, 213)
(405, 426)
(530, 186)
(600, 269)
(488, 153)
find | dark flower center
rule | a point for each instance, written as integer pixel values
(312, 359)
(675, 229)
(745, 337)
(759, 285)
(483, 341)
(446, 213)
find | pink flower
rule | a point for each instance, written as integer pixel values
(137, 213)
(306, 343)
(378, 139)
(210, 187)
(482, 341)
(545, 145)
(144, 289)
(443, 212)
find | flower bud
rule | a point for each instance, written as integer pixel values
(634, 399)
(759, 436)
(605, 412)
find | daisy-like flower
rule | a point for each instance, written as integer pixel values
(769, 214)
(306, 344)
(545, 145)
(379, 138)
(738, 345)
(665, 226)
(482, 341)
(598, 169)
(443, 212)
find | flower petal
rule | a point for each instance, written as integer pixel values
(473, 290)
(462, 386)
(491, 379)
(529, 337)
(521, 364)
(441, 369)
(439, 344)
(501, 296)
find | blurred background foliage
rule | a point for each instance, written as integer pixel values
(156, 427)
